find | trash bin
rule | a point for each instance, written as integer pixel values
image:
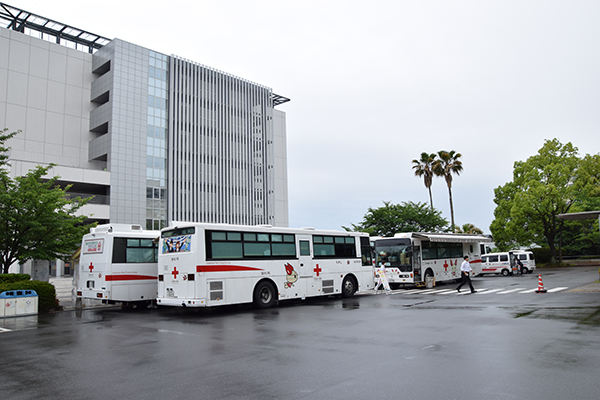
(429, 282)
(18, 302)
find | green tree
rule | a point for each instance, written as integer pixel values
(545, 185)
(424, 168)
(405, 217)
(446, 165)
(582, 237)
(469, 229)
(37, 219)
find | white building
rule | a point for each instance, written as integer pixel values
(154, 138)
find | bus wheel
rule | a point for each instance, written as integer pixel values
(264, 295)
(348, 287)
(505, 272)
(524, 271)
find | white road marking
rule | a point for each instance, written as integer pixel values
(528, 291)
(510, 291)
(558, 289)
(492, 291)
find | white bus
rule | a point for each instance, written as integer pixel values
(412, 257)
(119, 263)
(205, 265)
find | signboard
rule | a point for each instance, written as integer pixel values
(95, 246)
(381, 279)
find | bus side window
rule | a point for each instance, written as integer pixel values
(304, 248)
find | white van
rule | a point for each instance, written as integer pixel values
(504, 263)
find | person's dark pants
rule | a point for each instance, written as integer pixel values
(466, 279)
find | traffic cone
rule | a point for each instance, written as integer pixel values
(540, 286)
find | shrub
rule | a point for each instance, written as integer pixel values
(46, 292)
(9, 278)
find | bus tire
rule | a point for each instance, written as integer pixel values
(264, 295)
(524, 271)
(505, 272)
(348, 287)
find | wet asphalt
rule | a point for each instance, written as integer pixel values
(500, 343)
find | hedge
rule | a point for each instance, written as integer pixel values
(46, 292)
(9, 278)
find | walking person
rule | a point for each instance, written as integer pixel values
(465, 270)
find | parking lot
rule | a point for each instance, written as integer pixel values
(502, 342)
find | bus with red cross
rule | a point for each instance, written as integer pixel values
(118, 263)
(411, 258)
(206, 265)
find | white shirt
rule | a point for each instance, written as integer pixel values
(465, 266)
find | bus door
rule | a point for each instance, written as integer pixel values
(513, 263)
(308, 272)
(416, 261)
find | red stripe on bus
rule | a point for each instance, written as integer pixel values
(129, 277)
(224, 268)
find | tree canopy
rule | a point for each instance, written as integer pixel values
(447, 164)
(424, 167)
(37, 217)
(404, 217)
(552, 182)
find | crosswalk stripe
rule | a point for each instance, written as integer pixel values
(510, 291)
(479, 290)
(558, 289)
(492, 291)
(444, 291)
(528, 291)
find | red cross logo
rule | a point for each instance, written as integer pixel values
(175, 273)
(91, 267)
(317, 270)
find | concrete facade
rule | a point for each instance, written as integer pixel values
(154, 138)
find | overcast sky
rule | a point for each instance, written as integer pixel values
(375, 83)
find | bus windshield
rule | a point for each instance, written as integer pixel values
(395, 256)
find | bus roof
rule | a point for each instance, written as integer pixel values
(275, 229)
(445, 237)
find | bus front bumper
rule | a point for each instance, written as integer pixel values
(180, 302)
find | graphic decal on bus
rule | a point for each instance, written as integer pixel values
(177, 244)
(453, 264)
(292, 275)
(93, 246)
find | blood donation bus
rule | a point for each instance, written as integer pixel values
(119, 263)
(205, 265)
(412, 257)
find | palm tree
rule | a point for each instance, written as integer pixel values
(424, 168)
(448, 163)
(469, 228)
